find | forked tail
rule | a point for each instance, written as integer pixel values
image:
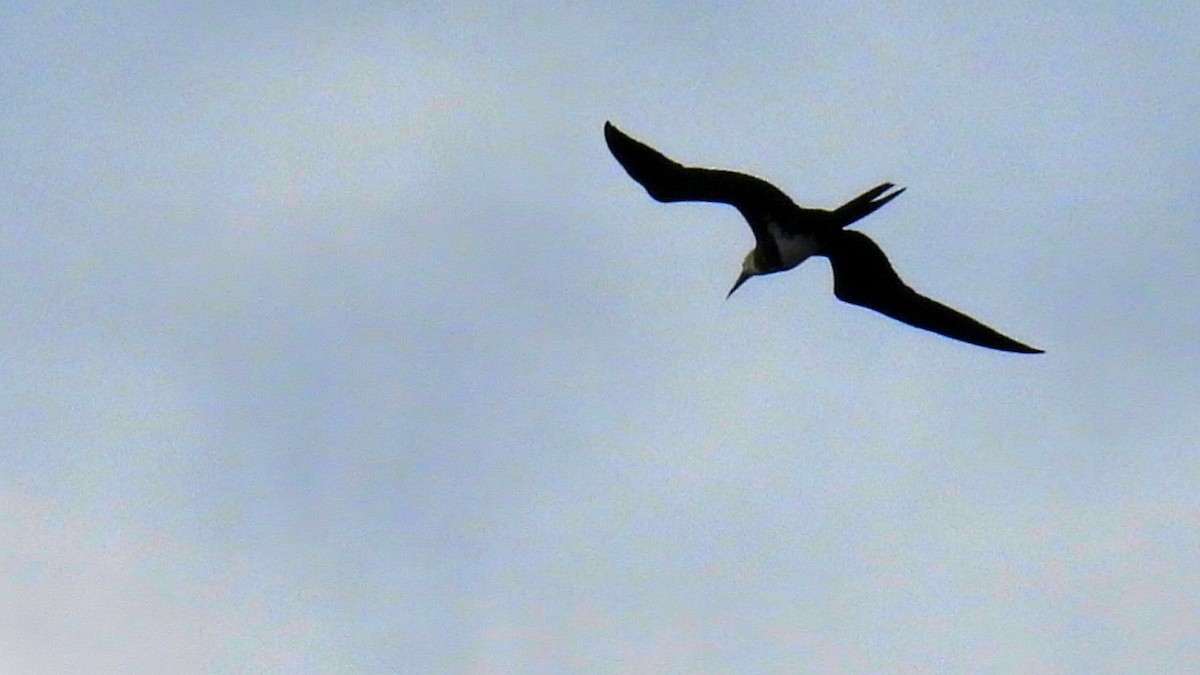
(864, 204)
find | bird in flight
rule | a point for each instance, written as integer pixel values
(787, 234)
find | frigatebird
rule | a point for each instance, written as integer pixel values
(787, 234)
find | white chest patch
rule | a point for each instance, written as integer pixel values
(793, 249)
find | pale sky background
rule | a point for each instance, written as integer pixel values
(335, 341)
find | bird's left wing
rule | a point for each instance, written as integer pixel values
(863, 276)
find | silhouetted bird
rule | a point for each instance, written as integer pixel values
(787, 234)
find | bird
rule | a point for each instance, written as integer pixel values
(787, 234)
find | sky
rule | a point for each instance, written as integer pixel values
(335, 341)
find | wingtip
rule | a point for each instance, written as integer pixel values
(1015, 347)
(1022, 348)
(624, 147)
(612, 133)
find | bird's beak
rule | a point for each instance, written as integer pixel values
(740, 280)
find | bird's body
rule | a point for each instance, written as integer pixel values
(793, 247)
(787, 234)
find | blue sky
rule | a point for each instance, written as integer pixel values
(336, 341)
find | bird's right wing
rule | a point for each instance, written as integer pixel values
(863, 276)
(669, 181)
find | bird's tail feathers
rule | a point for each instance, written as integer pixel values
(864, 204)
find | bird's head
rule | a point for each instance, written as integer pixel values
(750, 267)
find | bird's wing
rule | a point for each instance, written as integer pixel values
(669, 181)
(863, 276)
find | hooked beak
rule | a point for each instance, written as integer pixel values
(740, 280)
